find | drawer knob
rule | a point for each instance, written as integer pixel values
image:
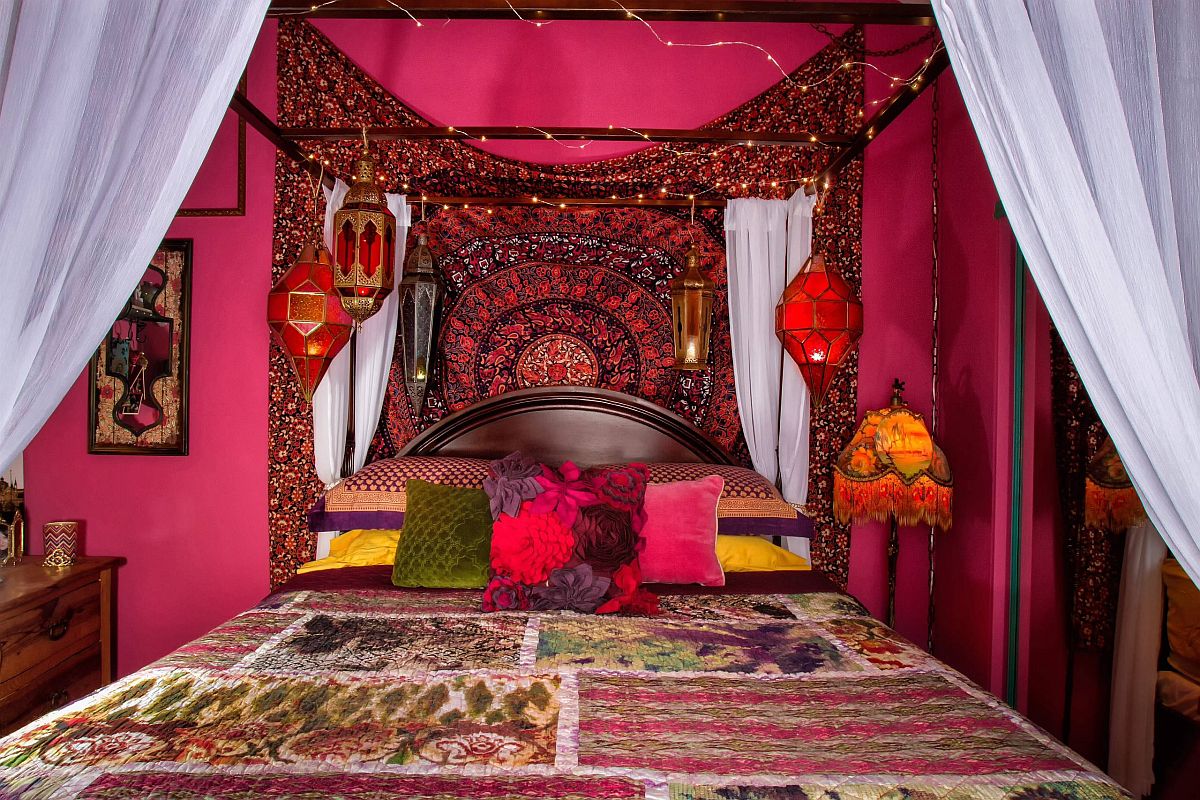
(58, 629)
(59, 698)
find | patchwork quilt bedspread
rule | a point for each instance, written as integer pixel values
(370, 694)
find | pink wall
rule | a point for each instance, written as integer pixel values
(189, 570)
(193, 528)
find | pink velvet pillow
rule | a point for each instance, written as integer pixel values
(681, 533)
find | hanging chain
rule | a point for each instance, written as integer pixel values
(935, 187)
(895, 51)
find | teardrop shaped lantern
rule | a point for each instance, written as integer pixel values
(306, 316)
(1110, 502)
(691, 314)
(364, 244)
(420, 292)
(819, 319)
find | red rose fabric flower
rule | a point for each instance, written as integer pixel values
(505, 594)
(564, 491)
(627, 594)
(528, 546)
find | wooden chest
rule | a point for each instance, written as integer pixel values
(57, 635)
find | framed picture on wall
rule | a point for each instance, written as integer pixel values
(139, 376)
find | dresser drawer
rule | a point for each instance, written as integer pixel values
(27, 697)
(38, 636)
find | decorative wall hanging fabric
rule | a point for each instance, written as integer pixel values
(132, 93)
(376, 339)
(320, 86)
(1092, 555)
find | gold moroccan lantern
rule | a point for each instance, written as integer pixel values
(420, 292)
(364, 244)
(1110, 501)
(691, 312)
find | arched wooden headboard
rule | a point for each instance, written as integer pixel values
(557, 423)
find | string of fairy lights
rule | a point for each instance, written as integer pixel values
(696, 190)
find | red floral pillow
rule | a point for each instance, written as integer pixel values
(567, 538)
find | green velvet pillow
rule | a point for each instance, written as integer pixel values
(447, 538)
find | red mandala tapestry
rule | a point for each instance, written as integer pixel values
(541, 296)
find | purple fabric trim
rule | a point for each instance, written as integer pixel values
(380, 577)
(800, 527)
(321, 520)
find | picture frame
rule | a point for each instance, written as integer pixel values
(138, 377)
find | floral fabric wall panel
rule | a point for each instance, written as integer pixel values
(541, 296)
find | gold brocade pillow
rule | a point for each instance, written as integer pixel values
(1183, 620)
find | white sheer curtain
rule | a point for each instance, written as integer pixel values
(1135, 661)
(1084, 112)
(766, 243)
(107, 109)
(376, 339)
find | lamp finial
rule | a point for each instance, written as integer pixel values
(897, 392)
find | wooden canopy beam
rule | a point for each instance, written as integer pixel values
(874, 126)
(800, 11)
(562, 202)
(529, 132)
(242, 106)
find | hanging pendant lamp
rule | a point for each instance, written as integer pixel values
(306, 316)
(819, 320)
(420, 294)
(692, 295)
(1110, 502)
(364, 244)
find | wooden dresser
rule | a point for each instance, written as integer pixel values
(57, 635)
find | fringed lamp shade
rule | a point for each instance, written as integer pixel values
(1110, 501)
(421, 291)
(819, 319)
(306, 316)
(691, 314)
(892, 468)
(364, 245)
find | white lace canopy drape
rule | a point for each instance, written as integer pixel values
(1084, 110)
(107, 109)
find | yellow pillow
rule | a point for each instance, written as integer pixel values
(358, 548)
(755, 554)
(1183, 620)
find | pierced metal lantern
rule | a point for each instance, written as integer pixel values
(364, 244)
(819, 319)
(691, 313)
(306, 316)
(421, 291)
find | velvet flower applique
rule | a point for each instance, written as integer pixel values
(564, 491)
(604, 537)
(512, 480)
(505, 594)
(575, 588)
(528, 546)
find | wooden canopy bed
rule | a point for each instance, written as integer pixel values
(341, 685)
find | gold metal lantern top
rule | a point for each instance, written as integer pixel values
(691, 312)
(364, 244)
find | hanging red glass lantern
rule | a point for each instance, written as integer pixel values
(307, 318)
(364, 244)
(819, 320)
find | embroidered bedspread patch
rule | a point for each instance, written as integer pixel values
(373, 694)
